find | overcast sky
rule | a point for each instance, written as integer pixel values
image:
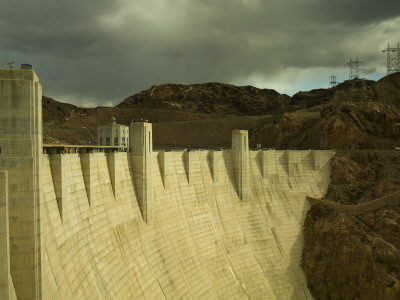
(98, 52)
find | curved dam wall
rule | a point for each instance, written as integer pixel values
(144, 224)
(200, 240)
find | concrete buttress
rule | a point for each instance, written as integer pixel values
(113, 169)
(58, 171)
(240, 156)
(142, 163)
(165, 162)
(215, 158)
(87, 163)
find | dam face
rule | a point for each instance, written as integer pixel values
(99, 223)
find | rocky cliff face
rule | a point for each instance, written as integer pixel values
(352, 256)
(211, 98)
(336, 125)
(355, 256)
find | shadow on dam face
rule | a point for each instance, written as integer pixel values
(142, 224)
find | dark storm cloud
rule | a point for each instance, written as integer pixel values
(54, 27)
(97, 51)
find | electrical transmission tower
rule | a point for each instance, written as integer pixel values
(359, 93)
(333, 81)
(393, 59)
(354, 68)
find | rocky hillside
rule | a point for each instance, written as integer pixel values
(55, 113)
(353, 115)
(210, 98)
(355, 256)
(336, 125)
(345, 91)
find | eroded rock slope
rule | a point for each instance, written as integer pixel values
(355, 255)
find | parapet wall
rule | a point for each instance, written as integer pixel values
(200, 240)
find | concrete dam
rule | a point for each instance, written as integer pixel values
(87, 222)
